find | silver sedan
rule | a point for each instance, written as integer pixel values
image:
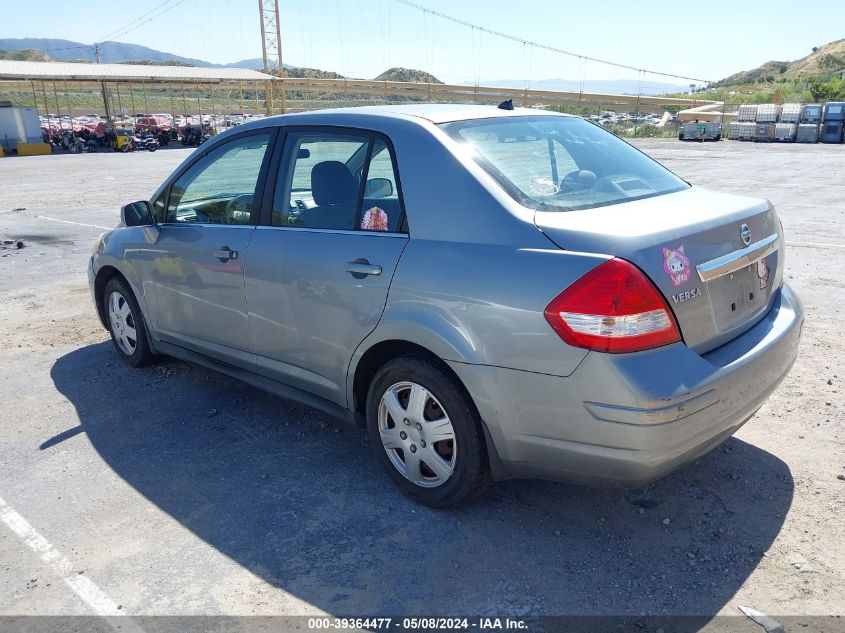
(491, 292)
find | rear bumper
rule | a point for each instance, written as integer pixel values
(631, 418)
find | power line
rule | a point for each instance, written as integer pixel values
(140, 21)
(67, 48)
(523, 41)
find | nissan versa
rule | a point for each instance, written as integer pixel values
(493, 292)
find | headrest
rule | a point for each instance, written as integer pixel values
(332, 183)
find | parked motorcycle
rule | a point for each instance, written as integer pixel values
(92, 139)
(194, 135)
(72, 143)
(144, 140)
(164, 137)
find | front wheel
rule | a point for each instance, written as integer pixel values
(126, 324)
(426, 432)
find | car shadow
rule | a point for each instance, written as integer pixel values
(299, 501)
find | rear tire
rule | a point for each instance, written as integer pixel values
(126, 324)
(426, 432)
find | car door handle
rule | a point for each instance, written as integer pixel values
(360, 268)
(225, 254)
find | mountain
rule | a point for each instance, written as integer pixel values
(407, 74)
(110, 52)
(823, 62)
(311, 73)
(25, 55)
(42, 49)
(254, 63)
(604, 86)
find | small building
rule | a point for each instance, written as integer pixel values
(18, 125)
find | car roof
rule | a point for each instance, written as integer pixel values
(434, 112)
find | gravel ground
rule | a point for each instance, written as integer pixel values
(177, 491)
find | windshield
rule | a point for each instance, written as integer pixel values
(554, 163)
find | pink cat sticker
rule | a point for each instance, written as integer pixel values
(676, 264)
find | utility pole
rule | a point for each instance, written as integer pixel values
(103, 88)
(271, 49)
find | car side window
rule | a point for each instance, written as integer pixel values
(220, 187)
(381, 208)
(319, 183)
(160, 207)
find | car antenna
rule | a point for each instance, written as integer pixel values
(506, 105)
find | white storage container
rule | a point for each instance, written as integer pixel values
(746, 130)
(764, 132)
(747, 113)
(807, 133)
(734, 130)
(768, 113)
(790, 113)
(786, 132)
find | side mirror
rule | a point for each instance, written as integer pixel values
(378, 188)
(137, 214)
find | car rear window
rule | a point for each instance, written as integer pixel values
(555, 163)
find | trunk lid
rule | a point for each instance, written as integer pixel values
(716, 258)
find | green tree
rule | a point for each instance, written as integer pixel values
(820, 91)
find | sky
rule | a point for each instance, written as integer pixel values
(361, 38)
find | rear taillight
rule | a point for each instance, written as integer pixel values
(613, 308)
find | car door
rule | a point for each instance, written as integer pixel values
(193, 275)
(320, 266)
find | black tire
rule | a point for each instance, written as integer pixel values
(470, 475)
(141, 355)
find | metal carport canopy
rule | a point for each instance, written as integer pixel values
(71, 71)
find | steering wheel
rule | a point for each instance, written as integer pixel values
(231, 212)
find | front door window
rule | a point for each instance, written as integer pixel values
(220, 187)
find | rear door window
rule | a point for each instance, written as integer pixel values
(382, 207)
(319, 184)
(340, 181)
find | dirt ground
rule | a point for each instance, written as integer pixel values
(177, 491)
